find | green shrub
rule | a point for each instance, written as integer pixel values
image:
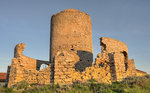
(128, 85)
(142, 82)
(21, 85)
(57, 85)
(9, 90)
(2, 89)
(92, 80)
(33, 84)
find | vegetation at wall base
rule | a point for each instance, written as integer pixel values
(128, 85)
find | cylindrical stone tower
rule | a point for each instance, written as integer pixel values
(71, 31)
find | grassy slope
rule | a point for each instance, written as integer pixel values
(129, 85)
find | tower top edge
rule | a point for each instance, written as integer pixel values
(71, 10)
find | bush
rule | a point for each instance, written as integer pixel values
(128, 85)
(142, 82)
(9, 90)
(92, 81)
(2, 89)
(21, 85)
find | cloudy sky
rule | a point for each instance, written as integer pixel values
(28, 21)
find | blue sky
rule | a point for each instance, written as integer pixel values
(28, 21)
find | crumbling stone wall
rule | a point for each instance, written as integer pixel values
(118, 67)
(140, 73)
(71, 31)
(71, 55)
(25, 68)
(111, 45)
(44, 76)
(131, 71)
(65, 72)
(118, 57)
(64, 67)
(100, 72)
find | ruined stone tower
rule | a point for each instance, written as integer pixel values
(71, 31)
(71, 56)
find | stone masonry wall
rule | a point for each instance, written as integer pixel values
(109, 66)
(64, 67)
(113, 45)
(24, 68)
(71, 31)
(65, 72)
(140, 73)
(119, 66)
(71, 56)
(118, 57)
(131, 71)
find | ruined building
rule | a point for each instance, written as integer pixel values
(71, 55)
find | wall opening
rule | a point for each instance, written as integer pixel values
(125, 60)
(43, 66)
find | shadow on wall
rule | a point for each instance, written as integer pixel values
(86, 59)
(112, 67)
(125, 60)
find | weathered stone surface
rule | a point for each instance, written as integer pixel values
(131, 71)
(44, 76)
(25, 68)
(99, 73)
(71, 31)
(111, 45)
(140, 73)
(71, 56)
(118, 68)
(115, 54)
(68, 75)
(64, 67)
